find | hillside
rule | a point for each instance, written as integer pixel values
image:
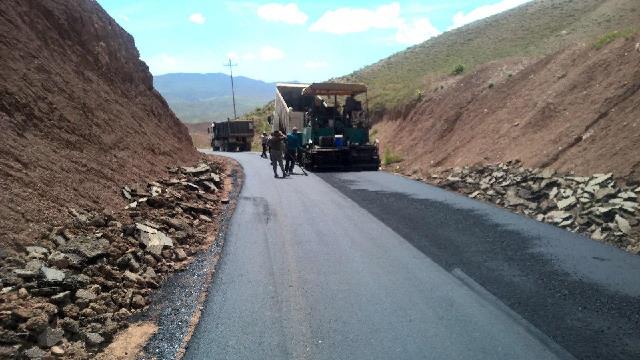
(79, 116)
(207, 97)
(531, 30)
(575, 110)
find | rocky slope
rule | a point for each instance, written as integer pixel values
(69, 295)
(78, 116)
(576, 110)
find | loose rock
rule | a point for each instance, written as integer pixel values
(52, 275)
(35, 353)
(50, 337)
(593, 205)
(93, 339)
(57, 351)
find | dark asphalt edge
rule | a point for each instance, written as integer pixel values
(172, 337)
(492, 300)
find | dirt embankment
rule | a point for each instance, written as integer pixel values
(577, 110)
(199, 135)
(78, 116)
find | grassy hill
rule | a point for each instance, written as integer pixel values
(207, 97)
(531, 30)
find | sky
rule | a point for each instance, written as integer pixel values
(286, 41)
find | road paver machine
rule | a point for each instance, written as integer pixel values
(332, 121)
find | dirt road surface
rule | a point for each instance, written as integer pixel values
(369, 265)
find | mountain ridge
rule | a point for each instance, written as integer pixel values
(206, 97)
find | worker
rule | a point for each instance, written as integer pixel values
(277, 148)
(293, 146)
(264, 139)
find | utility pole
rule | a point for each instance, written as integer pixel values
(233, 91)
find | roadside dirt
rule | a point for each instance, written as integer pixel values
(575, 111)
(128, 344)
(78, 117)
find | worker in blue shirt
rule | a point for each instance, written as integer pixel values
(294, 143)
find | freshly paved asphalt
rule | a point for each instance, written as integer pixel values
(368, 265)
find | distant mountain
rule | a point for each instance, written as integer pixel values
(207, 97)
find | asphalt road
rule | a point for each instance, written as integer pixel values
(369, 265)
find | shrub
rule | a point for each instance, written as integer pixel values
(459, 69)
(491, 85)
(612, 36)
(388, 157)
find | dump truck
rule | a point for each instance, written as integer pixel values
(231, 135)
(332, 122)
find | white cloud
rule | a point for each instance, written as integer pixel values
(352, 20)
(316, 64)
(197, 18)
(461, 19)
(416, 32)
(270, 53)
(286, 13)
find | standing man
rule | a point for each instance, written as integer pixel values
(293, 144)
(277, 148)
(264, 140)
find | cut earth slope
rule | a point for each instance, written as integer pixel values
(577, 110)
(79, 116)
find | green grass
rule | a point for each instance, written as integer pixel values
(612, 36)
(389, 157)
(533, 30)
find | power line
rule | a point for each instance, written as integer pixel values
(233, 91)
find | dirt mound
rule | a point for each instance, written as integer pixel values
(577, 110)
(78, 115)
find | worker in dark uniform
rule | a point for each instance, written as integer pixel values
(264, 140)
(293, 145)
(277, 147)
